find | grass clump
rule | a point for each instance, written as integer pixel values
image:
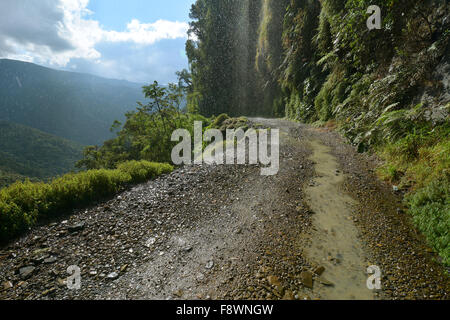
(419, 163)
(23, 204)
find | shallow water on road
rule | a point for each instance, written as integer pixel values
(334, 243)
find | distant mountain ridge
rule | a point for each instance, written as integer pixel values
(75, 106)
(28, 152)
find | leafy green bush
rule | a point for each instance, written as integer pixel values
(146, 134)
(430, 207)
(24, 203)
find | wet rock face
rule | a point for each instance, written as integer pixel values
(436, 95)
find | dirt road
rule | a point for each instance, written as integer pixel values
(226, 232)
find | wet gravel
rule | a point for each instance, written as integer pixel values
(410, 269)
(219, 232)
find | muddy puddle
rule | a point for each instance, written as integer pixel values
(333, 243)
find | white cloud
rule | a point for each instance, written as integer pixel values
(69, 33)
(148, 33)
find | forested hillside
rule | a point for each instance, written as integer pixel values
(27, 152)
(386, 90)
(74, 106)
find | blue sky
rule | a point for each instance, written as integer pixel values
(135, 40)
(115, 14)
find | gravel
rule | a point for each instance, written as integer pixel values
(220, 232)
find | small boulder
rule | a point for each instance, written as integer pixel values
(306, 278)
(26, 272)
(50, 260)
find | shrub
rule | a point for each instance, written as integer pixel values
(219, 121)
(143, 170)
(24, 203)
(430, 208)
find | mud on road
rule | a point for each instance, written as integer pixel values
(226, 232)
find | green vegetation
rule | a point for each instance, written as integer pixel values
(27, 152)
(430, 207)
(23, 204)
(147, 132)
(420, 162)
(316, 61)
(224, 123)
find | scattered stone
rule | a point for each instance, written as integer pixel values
(306, 278)
(49, 291)
(40, 252)
(77, 227)
(200, 276)
(7, 285)
(26, 272)
(113, 275)
(274, 281)
(178, 293)
(187, 249)
(279, 291)
(288, 295)
(325, 282)
(61, 282)
(209, 265)
(150, 242)
(319, 270)
(50, 260)
(39, 259)
(124, 268)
